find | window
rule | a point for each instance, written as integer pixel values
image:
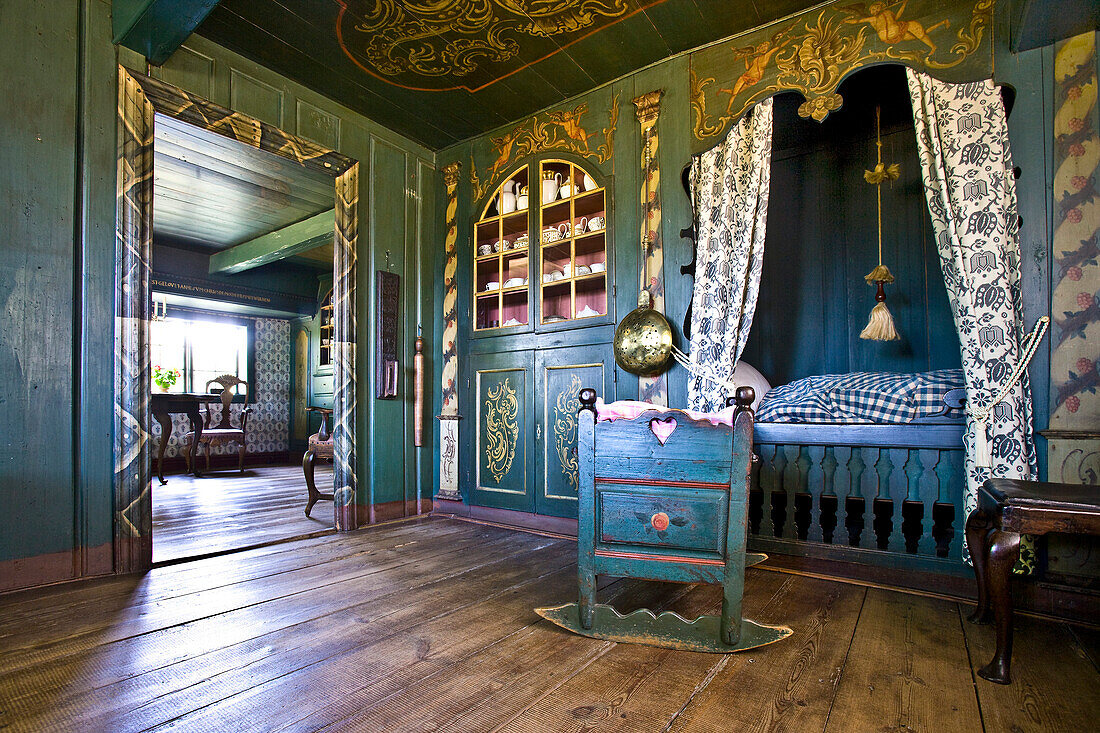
(202, 348)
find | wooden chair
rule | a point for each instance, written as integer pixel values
(320, 446)
(1008, 508)
(223, 432)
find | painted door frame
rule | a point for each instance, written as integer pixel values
(139, 98)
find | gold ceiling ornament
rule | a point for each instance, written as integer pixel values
(565, 429)
(501, 428)
(881, 325)
(813, 54)
(556, 130)
(436, 42)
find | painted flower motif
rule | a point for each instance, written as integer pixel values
(1074, 215)
(1074, 273)
(1084, 300)
(1085, 365)
(1072, 403)
(1077, 150)
(1078, 182)
(1076, 124)
(1073, 92)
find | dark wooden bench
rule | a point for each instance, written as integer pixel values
(1008, 508)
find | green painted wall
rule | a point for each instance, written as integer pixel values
(57, 188)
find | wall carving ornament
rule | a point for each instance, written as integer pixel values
(448, 418)
(557, 131)
(815, 51)
(501, 428)
(1075, 288)
(440, 45)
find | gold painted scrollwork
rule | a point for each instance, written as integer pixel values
(443, 39)
(501, 428)
(812, 54)
(565, 429)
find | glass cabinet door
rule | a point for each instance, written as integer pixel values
(572, 226)
(501, 257)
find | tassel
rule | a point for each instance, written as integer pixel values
(881, 325)
(880, 274)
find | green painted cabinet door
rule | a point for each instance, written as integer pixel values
(502, 391)
(560, 375)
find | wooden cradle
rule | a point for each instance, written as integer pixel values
(672, 509)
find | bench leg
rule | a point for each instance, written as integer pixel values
(978, 525)
(586, 602)
(1004, 550)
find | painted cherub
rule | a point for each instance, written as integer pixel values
(504, 144)
(570, 122)
(755, 66)
(891, 28)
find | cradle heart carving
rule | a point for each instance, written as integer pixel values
(501, 428)
(662, 429)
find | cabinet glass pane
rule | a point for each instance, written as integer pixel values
(501, 257)
(572, 227)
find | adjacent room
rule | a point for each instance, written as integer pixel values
(573, 365)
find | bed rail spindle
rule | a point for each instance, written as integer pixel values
(843, 490)
(768, 475)
(927, 491)
(815, 486)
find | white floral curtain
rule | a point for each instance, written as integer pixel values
(730, 191)
(962, 138)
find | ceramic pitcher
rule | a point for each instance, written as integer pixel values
(507, 198)
(551, 185)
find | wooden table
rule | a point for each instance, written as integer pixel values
(1008, 508)
(163, 405)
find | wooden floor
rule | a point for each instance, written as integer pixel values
(229, 510)
(427, 624)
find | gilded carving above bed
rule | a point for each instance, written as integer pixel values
(439, 45)
(812, 54)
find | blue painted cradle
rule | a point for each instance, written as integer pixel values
(671, 511)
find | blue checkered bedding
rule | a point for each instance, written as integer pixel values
(877, 397)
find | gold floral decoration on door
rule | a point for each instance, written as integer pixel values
(501, 428)
(565, 429)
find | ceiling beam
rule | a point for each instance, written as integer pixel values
(282, 243)
(156, 28)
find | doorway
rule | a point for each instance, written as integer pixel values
(146, 107)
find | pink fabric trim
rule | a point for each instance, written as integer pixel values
(630, 409)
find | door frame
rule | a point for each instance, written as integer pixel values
(140, 98)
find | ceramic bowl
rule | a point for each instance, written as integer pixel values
(485, 249)
(513, 282)
(556, 275)
(595, 223)
(553, 319)
(492, 285)
(599, 266)
(583, 270)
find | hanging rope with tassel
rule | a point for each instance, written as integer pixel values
(881, 325)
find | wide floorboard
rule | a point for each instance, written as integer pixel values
(427, 624)
(229, 510)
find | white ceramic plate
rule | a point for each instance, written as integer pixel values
(513, 282)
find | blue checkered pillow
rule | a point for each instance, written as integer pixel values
(879, 397)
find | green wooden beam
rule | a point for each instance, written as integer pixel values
(156, 28)
(280, 244)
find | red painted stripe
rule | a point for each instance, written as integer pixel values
(661, 482)
(658, 558)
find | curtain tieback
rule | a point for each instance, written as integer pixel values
(980, 417)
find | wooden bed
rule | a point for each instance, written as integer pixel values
(871, 493)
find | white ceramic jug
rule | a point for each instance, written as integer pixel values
(507, 198)
(551, 185)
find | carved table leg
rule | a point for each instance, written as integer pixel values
(978, 525)
(307, 468)
(196, 427)
(165, 421)
(1004, 550)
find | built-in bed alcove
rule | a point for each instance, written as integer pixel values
(881, 494)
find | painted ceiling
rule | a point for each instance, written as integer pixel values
(442, 71)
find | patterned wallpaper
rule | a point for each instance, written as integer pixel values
(269, 423)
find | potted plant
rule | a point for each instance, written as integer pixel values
(165, 378)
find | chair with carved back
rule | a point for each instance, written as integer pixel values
(223, 432)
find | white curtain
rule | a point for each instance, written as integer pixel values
(962, 138)
(730, 192)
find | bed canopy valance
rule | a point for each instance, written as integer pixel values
(813, 52)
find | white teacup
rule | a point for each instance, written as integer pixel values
(566, 190)
(595, 223)
(580, 226)
(553, 234)
(492, 285)
(485, 249)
